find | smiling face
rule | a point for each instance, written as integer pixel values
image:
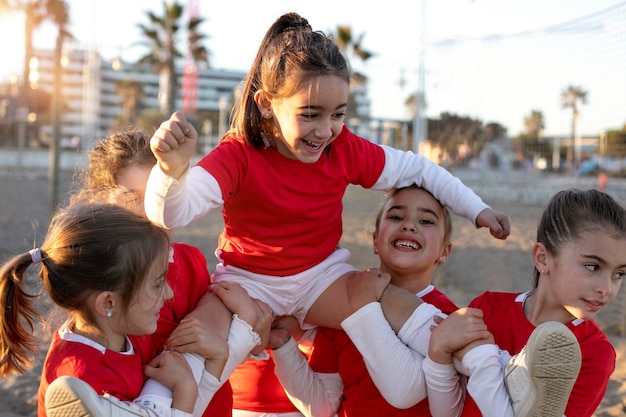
(583, 278)
(309, 120)
(411, 239)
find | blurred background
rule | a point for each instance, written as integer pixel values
(481, 84)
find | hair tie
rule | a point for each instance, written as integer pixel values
(35, 255)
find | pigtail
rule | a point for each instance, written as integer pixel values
(18, 317)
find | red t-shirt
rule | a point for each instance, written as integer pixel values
(334, 352)
(189, 278)
(115, 373)
(282, 216)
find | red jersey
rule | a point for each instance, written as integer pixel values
(505, 319)
(334, 352)
(256, 388)
(189, 278)
(119, 374)
(271, 202)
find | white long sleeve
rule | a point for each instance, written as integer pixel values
(314, 394)
(395, 368)
(446, 391)
(241, 340)
(486, 381)
(173, 203)
(415, 332)
(406, 168)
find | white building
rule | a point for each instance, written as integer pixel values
(91, 99)
(92, 102)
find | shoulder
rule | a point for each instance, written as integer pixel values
(348, 139)
(441, 301)
(230, 147)
(491, 298)
(187, 251)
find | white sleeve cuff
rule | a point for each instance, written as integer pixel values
(314, 394)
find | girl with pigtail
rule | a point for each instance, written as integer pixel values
(106, 266)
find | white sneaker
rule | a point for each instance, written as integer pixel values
(540, 378)
(67, 396)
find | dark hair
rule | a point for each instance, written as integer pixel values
(290, 54)
(446, 213)
(111, 156)
(571, 212)
(88, 248)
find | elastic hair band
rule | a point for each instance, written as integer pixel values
(35, 255)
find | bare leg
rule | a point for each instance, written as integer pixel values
(333, 306)
(355, 289)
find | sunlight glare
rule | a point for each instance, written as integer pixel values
(11, 45)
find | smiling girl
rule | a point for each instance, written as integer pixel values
(281, 172)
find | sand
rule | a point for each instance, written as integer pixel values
(477, 262)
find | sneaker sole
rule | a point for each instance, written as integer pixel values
(553, 364)
(64, 398)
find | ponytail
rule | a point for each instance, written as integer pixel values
(18, 316)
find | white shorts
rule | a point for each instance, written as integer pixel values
(293, 294)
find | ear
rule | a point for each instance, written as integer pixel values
(447, 248)
(541, 257)
(263, 102)
(104, 303)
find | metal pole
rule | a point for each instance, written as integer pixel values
(53, 166)
(420, 123)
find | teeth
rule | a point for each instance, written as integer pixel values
(406, 244)
(312, 144)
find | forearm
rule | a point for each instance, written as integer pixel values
(486, 381)
(172, 203)
(212, 311)
(314, 394)
(395, 368)
(406, 168)
(241, 340)
(446, 393)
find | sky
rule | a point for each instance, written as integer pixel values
(392, 30)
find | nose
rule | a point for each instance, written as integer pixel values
(169, 293)
(324, 130)
(603, 286)
(409, 226)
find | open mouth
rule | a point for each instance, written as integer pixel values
(407, 244)
(312, 146)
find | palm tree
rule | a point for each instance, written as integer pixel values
(160, 37)
(351, 46)
(132, 93)
(534, 124)
(570, 97)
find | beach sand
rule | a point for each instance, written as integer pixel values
(477, 263)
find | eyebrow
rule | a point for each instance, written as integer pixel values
(316, 107)
(600, 259)
(420, 209)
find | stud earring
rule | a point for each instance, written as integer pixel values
(267, 115)
(110, 313)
